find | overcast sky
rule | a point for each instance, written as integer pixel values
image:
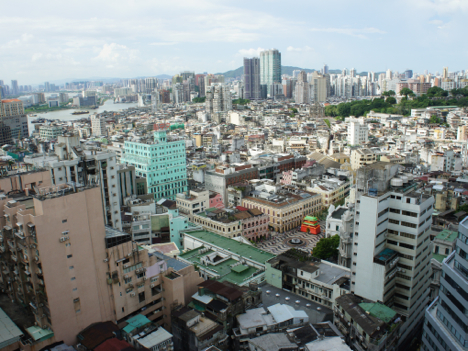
(50, 40)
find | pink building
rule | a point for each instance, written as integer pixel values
(216, 200)
(254, 223)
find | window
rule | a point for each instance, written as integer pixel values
(71, 267)
(394, 221)
(75, 289)
(64, 221)
(141, 297)
(72, 278)
(69, 256)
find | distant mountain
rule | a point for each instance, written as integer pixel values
(284, 70)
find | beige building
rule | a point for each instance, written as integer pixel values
(219, 222)
(59, 260)
(197, 201)
(362, 157)
(393, 159)
(286, 210)
(320, 85)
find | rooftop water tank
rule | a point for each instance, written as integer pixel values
(404, 179)
(396, 182)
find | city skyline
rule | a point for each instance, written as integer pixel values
(51, 43)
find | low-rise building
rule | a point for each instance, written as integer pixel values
(362, 157)
(312, 278)
(367, 325)
(196, 201)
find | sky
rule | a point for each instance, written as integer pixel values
(53, 40)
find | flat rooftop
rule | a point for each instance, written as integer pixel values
(447, 235)
(231, 245)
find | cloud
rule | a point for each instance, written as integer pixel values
(114, 53)
(250, 52)
(354, 32)
(293, 49)
(163, 44)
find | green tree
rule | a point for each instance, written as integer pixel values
(434, 119)
(327, 122)
(391, 100)
(327, 247)
(294, 110)
(199, 99)
(240, 101)
(406, 92)
(391, 93)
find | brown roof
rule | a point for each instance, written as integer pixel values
(255, 212)
(242, 215)
(215, 287)
(97, 333)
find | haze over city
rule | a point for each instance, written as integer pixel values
(51, 41)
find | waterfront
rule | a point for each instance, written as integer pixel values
(66, 115)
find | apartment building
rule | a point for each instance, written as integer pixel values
(331, 189)
(60, 260)
(72, 163)
(314, 279)
(161, 161)
(221, 177)
(286, 207)
(367, 325)
(391, 243)
(12, 115)
(340, 221)
(50, 132)
(197, 201)
(446, 323)
(219, 221)
(362, 157)
(98, 126)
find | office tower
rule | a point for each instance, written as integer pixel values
(358, 132)
(352, 73)
(320, 85)
(446, 324)
(98, 126)
(46, 87)
(163, 165)
(325, 69)
(444, 73)
(302, 89)
(12, 115)
(287, 87)
(344, 72)
(391, 258)
(14, 87)
(408, 74)
(270, 69)
(252, 90)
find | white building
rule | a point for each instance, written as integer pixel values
(358, 132)
(98, 125)
(391, 256)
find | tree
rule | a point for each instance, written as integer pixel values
(199, 99)
(391, 100)
(434, 119)
(406, 92)
(294, 110)
(327, 122)
(327, 247)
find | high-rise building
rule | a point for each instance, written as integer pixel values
(302, 95)
(270, 69)
(358, 132)
(150, 85)
(178, 93)
(320, 85)
(14, 87)
(446, 324)
(187, 74)
(218, 99)
(46, 87)
(161, 161)
(444, 73)
(408, 74)
(391, 256)
(252, 90)
(12, 115)
(98, 125)
(325, 69)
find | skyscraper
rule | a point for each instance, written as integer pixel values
(218, 99)
(252, 90)
(270, 68)
(446, 325)
(46, 87)
(14, 87)
(392, 242)
(444, 73)
(409, 74)
(302, 89)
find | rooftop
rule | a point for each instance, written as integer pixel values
(9, 332)
(447, 235)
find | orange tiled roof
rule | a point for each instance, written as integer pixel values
(11, 100)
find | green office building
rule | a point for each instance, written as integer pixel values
(162, 162)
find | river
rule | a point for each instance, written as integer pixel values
(66, 115)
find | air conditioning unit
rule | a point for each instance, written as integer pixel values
(144, 278)
(152, 285)
(133, 294)
(126, 265)
(135, 250)
(125, 276)
(106, 260)
(129, 255)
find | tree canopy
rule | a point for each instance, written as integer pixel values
(199, 99)
(327, 247)
(406, 92)
(434, 119)
(241, 101)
